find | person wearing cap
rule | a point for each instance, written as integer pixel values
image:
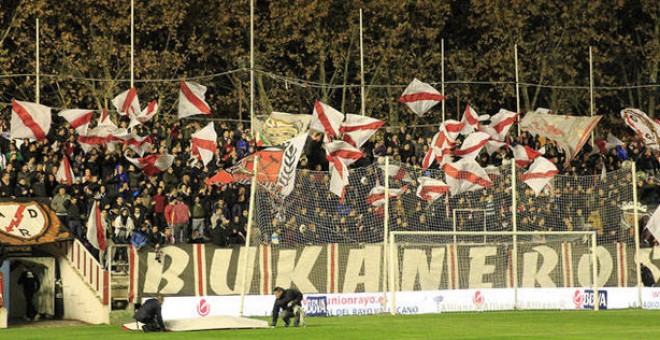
(290, 302)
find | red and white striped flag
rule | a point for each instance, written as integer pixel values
(136, 143)
(465, 175)
(191, 100)
(501, 123)
(356, 130)
(152, 164)
(104, 120)
(204, 143)
(146, 115)
(338, 176)
(429, 158)
(524, 155)
(64, 173)
(420, 97)
(29, 120)
(377, 195)
(326, 119)
(540, 173)
(472, 145)
(605, 145)
(430, 189)
(346, 153)
(397, 172)
(78, 119)
(452, 129)
(96, 227)
(127, 102)
(471, 120)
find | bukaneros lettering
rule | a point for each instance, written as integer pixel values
(219, 271)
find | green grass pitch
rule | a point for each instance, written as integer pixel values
(611, 324)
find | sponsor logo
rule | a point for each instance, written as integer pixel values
(438, 303)
(203, 308)
(578, 299)
(589, 299)
(478, 299)
(317, 306)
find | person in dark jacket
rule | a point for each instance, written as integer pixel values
(75, 217)
(150, 315)
(290, 302)
(30, 283)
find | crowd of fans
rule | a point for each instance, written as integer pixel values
(177, 206)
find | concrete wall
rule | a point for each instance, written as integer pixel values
(80, 301)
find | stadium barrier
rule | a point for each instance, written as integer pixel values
(338, 252)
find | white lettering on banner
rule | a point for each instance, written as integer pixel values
(288, 271)
(532, 275)
(155, 274)
(605, 267)
(219, 276)
(479, 268)
(366, 261)
(416, 266)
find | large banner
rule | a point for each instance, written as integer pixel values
(279, 127)
(29, 223)
(206, 270)
(571, 133)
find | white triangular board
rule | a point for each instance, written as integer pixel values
(205, 323)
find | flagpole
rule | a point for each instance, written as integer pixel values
(132, 42)
(252, 69)
(514, 220)
(253, 189)
(442, 76)
(515, 55)
(386, 222)
(591, 91)
(362, 103)
(38, 85)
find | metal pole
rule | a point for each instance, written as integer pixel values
(362, 104)
(252, 69)
(591, 91)
(386, 229)
(248, 237)
(594, 269)
(38, 85)
(515, 57)
(442, 76)
(392, 276)
(514, 223)
(638, 262)
(132, 42)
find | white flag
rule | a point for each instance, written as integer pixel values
(338, 176)
(64, 173)
(78, 119)
(326, 119)
(96, 227)
(29, 120)
(127, 103)
(465, 175)
(345, 152)
(146, 115)
(286, 177)
(472, 145)
(540, 173)
(204, 143)
(152, 164)
(377, 194)
(356, 130)
(191, 100)
(420, 97)
(430, 189)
